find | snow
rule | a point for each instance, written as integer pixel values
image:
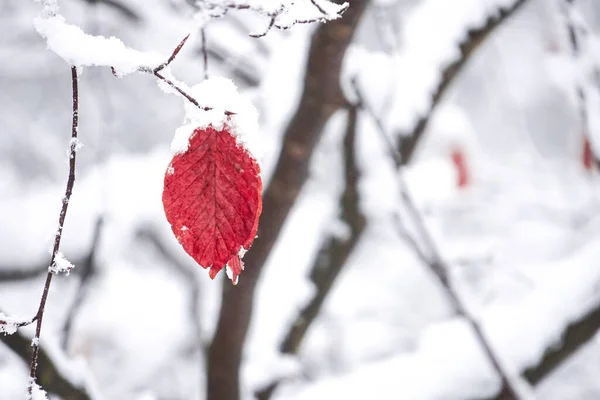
(414, 71)
(61, 264)
(529, 232)
(74, 146)
(80, 49)
(222, 96)
(447, 362)
(36, 392)
(10, 324)
(286, 13)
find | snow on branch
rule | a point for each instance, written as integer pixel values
(10, 324)
(438, 39)
(80, 49)
(283, 14)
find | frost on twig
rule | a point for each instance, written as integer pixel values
(61, 264)
(9, 325)
(282, 14)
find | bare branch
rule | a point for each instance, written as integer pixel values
(437, 264)
(259, 35)
(61, 220)
(173, 54)
(472, 41)
(321, 97)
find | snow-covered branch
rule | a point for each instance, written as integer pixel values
(282, 14)
(437, 46)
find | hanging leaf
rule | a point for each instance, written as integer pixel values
(212, 199)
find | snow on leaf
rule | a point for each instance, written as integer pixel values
(212, 199)
(226, 106)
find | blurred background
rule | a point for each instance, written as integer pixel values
(417, 154)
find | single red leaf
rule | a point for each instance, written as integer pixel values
(212, 199)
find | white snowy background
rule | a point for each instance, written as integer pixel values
(523, 241)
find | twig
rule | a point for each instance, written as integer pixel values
(61, 220)
(222, 7)
(157, 73)
(173, 55)
(408, 140)
(264, 33)
(16, 322)
(435, 261)
(204, 52)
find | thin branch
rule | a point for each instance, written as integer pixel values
(264, 33)
(173, 55)
(472, 41)
(61, 220)
(8, 323)
(219, 9)
(157, 73)
(204, 52)
(437, 264)
(334, 251)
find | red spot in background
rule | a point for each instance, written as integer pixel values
(460, 163)
(212, 199)
(587, 157)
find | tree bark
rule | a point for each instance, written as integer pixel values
(322, 96)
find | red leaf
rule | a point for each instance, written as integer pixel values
(212, 199)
